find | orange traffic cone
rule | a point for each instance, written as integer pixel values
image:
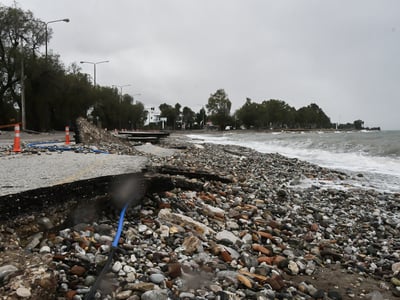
(17, 142)
(66, 135)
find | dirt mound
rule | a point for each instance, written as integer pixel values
(91, 135)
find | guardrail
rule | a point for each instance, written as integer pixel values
(10, 125)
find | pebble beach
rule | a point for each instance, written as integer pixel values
(244, 229)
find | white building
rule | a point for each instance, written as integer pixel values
(153, 116)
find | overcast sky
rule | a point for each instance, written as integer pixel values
(342, 55)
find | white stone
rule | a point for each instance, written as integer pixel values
(128, 269)
(164, 231)
(133, 258)
(23, 292)
(396, 267)
(117, 267)
(131, 277)
(45, 249)
(293, 267)
(226, 235)
(142, 228)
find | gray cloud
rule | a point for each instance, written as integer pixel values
(341, 55)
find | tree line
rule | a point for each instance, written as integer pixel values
(57, 95)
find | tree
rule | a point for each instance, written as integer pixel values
(250, 114)
(358, 124)
(20, 36)
(178, 120)
(278, 114)
(138, 115)
(169, 112)
(188, 117)
(107, 107)
(219, 106)
(312, 116)
(201, 118)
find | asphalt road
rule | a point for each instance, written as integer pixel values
(25, 171)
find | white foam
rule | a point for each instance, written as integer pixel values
(381, 172)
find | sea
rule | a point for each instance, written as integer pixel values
(371, 158)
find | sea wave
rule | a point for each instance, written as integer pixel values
(375, 154)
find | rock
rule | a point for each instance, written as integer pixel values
(293, 267)
(230, 276)
(186, 295)
(174, 270)
(7, 271)
(191, 244)
(232, 225)
(334, 295)
(164, 231)
(78, 270)
(34, 241)
(157, 278)
(225, 255)
(262, 249)
(128, 269)
(314, 227)
(155, 295)
(276, 282)
(395, 281)
(214, 211)
(396, 268)
(249, 260)
(167, 215)
(374, 295)
(45, 223)
(89, 280)
(226, 235)
(319, 294)
(45, 249)
(245, 281)
(142, 228)
(117, 266)
(71, 294)
(123, 295)
(23, 292)
(141, 286)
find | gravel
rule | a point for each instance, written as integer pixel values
(259, 235)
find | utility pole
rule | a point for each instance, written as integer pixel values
(23, 116)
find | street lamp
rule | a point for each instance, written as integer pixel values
(120, 88)
(94, 67)
(47, 33)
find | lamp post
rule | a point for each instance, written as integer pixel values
(47, 33)
(120, 89)
(94, 67)
(23, 111)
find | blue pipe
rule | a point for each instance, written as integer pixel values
(120, 224)
(41, 145)
(92, 291)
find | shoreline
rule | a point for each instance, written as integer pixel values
(247, 231)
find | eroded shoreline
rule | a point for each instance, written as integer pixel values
(260, 237)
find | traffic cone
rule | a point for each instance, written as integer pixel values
(66, 135)
(17, 141)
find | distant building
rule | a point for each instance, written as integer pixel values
(153, 116)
